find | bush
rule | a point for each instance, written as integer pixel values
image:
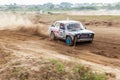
(85, 73)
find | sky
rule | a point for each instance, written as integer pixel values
(28, 2)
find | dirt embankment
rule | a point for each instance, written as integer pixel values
(102, 23)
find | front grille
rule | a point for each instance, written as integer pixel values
(85, 36)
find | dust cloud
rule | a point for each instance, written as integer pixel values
(22, 23)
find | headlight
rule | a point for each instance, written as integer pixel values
(78, 36)
(91, 35)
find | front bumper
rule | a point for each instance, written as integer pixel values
(85, 39)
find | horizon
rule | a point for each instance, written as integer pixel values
(39, 2)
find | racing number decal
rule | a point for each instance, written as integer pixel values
(56, 32)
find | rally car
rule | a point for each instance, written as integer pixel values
(70, 31)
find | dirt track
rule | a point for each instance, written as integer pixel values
(102, 47)
(105, 49)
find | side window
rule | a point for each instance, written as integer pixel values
(57, 25)
(69, 26)
(62, 26)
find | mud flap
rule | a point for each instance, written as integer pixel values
(75, 40)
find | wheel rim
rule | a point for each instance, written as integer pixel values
(68, 41)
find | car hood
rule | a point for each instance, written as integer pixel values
(84, 31)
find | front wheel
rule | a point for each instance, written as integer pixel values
(69, 41)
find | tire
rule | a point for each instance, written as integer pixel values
(52, 36)
(69, 41)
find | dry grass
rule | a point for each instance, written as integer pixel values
(86, 20)
(51, 70)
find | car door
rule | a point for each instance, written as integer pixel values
(62, 30)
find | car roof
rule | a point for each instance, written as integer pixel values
(68, 21)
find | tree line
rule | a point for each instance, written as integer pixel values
(65, 6)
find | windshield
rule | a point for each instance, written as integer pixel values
(75, 27)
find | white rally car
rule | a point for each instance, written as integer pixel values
(70, 31)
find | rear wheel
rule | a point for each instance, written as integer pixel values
(52, 36)
(69, 41)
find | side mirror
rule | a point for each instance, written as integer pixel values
(52, 25)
